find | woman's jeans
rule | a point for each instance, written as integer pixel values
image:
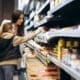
(6, 72)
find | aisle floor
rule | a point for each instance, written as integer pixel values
(38, 71)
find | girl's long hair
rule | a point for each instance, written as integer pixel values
(5, 21)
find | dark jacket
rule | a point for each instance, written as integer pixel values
(7, 50)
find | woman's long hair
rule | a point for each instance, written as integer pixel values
(15, 16)
(20, 31)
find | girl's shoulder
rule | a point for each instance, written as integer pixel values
(7, 35)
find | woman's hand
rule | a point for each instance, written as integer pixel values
(39, 30)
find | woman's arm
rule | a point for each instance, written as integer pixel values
(18, 40)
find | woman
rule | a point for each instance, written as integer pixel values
(17, 20)
(9, 44)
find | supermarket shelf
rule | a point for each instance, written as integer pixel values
(61, 5)
(42, 58)
(49, 22)
(43, 21)
(69, 34)
(39, 55)
(65, 14)
(30, 46)
(29, 27)
(44, 8)
(26, 23)
(63, 66)
(66, 68)
(50, 36)
(54, 60)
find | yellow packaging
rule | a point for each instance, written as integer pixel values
(61, 43)
(76, 44)
(68, 43)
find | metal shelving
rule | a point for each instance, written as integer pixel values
(42, 58)
(44, 8)
(28, 21)
(73, 73)
(66, 68)
(61, 5)
(67, 13)
(40, 23)
(55, 35)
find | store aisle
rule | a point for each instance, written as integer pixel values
(38, 71)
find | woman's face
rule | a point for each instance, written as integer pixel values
(20, 20)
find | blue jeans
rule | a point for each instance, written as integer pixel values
(6, 72)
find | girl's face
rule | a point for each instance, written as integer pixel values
(20, 20)
(10, 31)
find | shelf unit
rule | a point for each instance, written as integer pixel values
(66, 68)
(54, 36)
(67, 13)
(60, 6)
(60, 64)
(41, 22)
(40, 56)
(44, 8)
(28, 21)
